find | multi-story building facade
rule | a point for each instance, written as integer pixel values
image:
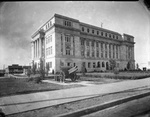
(64, 41)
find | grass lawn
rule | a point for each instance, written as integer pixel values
(12, 86)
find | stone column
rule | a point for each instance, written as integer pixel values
(95, 49)
(64, 49)
(112, 51)
(35, 48)
(39, 47)
(115, 51)
(118, 52)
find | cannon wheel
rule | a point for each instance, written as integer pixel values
(74, 77)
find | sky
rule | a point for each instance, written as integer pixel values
(19, 20)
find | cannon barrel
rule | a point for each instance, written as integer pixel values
(72, 69)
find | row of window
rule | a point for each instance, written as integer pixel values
(49, 39)
(98, 50)
(96, 32)
(48, 25)
(49, 51)
(67, 23)
(48, 65)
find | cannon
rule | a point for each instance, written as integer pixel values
(67, 72)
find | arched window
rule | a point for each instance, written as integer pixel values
(103, 65)
(98, 64)
(107, 66)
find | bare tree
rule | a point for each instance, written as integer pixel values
(112, 64)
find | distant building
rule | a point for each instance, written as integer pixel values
(64, 41)
(25, 69)
(14, 69)
(2, 73)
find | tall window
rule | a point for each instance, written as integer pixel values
(82, 42)
(87, 43)
(102, 50)
(67, 51)
(105, 50)
(93, 31)
(92, 43)
(103, 65)
(50, 64)
(97, 53)
(97, 32)
(93, 64)
(102, 33)
(109, 51)
(88, 30)
(113, 51)
(83, 29)
(88, 53)
(110, 35)
(67, 38)
(89, 64)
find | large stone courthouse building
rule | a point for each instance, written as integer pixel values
(64, 41)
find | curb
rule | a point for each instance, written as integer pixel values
(99, 107)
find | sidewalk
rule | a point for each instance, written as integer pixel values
(21, 103)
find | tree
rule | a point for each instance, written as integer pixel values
(33, 68)
(128, 65)
(112, 64)
(42, 70)
(28, 72)
(137, 66)
(47, 68)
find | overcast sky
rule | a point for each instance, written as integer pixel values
(19, 20)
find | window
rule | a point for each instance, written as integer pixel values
(67, 51)
(89, 64)
(97, 44)
(68, 64)
(51, 52)
(50, 64)
(92, 43)
(88, 53)
(83, 29)
(67, 23)
(51, 38)
(87, 43)
(103, 65)
(97, 32)
(102, 50)
(67, 38)
(102, 33)
(93, 31)
(93, 53)
(110, 35)
(116, 37)
(113, 36)
(97, 54)
(88, 30)
(106, 34)
(82, 42)
(93, 64)
(98, 64)
(82, 53)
